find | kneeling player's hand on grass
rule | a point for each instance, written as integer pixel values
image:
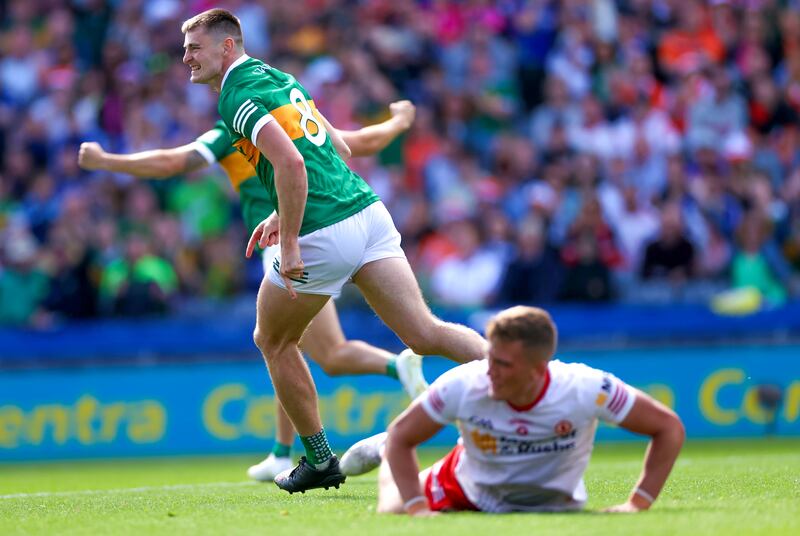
(418, 507)
(629, 507)
(422, 511)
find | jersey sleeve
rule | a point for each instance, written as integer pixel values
(214, 144)
(246, 113)
(610, 397)
(442, 399)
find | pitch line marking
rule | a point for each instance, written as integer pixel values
(169, 487)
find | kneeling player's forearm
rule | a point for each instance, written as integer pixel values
(402, 460)
(659, 460)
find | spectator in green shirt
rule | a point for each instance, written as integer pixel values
(139, 283)
(23, 284)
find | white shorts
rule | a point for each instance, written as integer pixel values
(332, 255)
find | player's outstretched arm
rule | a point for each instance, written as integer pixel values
(650, 417)
(410, 429)
(158, 163)
(374, 138)
(336, 139)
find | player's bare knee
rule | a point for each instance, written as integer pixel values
(259, 339)
(265, 341)
(389, 499)
(270, 344)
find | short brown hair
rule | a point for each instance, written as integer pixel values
(219, 21)
(530, 325)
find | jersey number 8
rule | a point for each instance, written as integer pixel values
(300, 104)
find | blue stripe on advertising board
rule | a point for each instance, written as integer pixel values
(229, 407)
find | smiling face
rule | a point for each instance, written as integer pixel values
(205, 53)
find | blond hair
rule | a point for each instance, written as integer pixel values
(530, 325)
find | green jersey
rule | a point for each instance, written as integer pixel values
(216, 145)
(252, 95)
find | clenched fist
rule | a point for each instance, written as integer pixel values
(404, 112)
(90, 155)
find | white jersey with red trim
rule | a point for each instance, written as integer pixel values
(531, 459)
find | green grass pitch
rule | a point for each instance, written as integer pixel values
(722, 487)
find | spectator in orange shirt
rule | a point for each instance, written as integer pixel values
(693, 44)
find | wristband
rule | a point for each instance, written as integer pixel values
(411, 502)
(644, 495)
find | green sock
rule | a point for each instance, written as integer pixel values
(391, 368)
(317, 449)
(280, 450)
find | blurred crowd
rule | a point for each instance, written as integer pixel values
(574, 150)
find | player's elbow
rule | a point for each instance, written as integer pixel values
(395, 446)
(298, 164)
(291, 164)
(360, 145)
(678, 431)
(163, 164)
(170, 169)
(392, 432)
(397, 434)
(672, 430)
(345, 152)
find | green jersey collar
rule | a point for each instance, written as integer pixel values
(243, 58)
